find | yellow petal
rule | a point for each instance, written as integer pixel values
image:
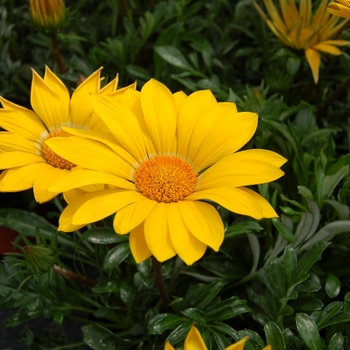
(305, 9)
(333, 50)
(22, 178)
(194, 340)
(43, 181)
(339, 10)
(231, 133)
(47, 104)
(21, 121)
(159, 112)
(239, 345)
(168, 346)
(314, 59)
(18, 159)
(122, 124)
(103, 204)
(16, 142)
(192, 110)
(60, 89)
(187, 246)
(82, 177)
(110, 87)
(118, 94)
(267, 347)
(157, 233)
(179, 98)
(203, 221)
(138, 246)
(90, 154)
(133, 215)
(80, 105)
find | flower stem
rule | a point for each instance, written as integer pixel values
(74, 276)
(57, 54)
(158, 278)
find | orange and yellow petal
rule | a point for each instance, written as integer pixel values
(341, 9)
(239, 345)
(133, 215)
(168, 346)
(157, 234)
(186, 245)
(159, 111)
(194, 340)
(203, 221)
(138, 245)
(313, 57)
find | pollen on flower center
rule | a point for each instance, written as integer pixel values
(51, 157)
(165, 179)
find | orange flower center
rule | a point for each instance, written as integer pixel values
(51, 157)
(165, 179)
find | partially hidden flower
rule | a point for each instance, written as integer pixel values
(28, 162)
(303, 30)
(178, 156)
(194, 341)
(340, 8)
(48, 15)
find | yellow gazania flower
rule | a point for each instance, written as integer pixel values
(177, 153)
(340, 8)
(194, 341)
(48, 14)
(27, 160)
(301, 30)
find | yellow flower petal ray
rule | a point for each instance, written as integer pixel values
(122, 124)
(239, 345)
(22, 121)
(105, 137)
(83, 177)
(118, 94)
(236, 200)
(132, 100)
(267, 347)
(232, 171)
(192, 109)
(80, 106)
(336, 42)
(16, 142)
(333, 50)
(17, 159)
(133, 215)
(187, 246)
(22, 178)
(70, 196)
(157, 233)
(194, 340)
(208, 121)
(219, 141)
(305, 8)
(179, 99)
(46, 103)
(138, 245)
(341, 10)
(320, 14)
(91, 155)
(203, 221)
(274, 13)
(104, 204)
(59, 88)
(168, 346)
(314, 59)
(44, 180)
(159, 113)
(111, 87)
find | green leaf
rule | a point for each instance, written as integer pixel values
(293, 64)
(305, 192)
(103, 236)
(196, 315)
(331, 181)
(336, 342)
(162, 322)
(242, 228)
(308, 331)
(138, 72)
(274, 336)
(290, 262)
(116, 255)
(330, 311)
(324, 132)
(283, 230)
(180, 332)
(332, 286)
(173, 56)
(342, 209)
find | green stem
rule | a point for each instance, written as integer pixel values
(159, 280)
(57, 54)
(74, 276)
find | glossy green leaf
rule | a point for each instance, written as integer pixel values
(331, 181)
(336, 342)
(162, 322)
(116, 255)
(308, 330)
(283, 230)
(332, 285)
(290, 262)
(103, 236)
(274, 336)
(196, 315)
(173, 56)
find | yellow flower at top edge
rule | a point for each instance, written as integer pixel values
(302, 30)
(194, 341)
(178, 155)
(340, 8)
(24, 158)
(48, 14)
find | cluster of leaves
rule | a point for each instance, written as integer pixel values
(282, 281)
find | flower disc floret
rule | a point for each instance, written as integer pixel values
(51, 157)
(165, 179)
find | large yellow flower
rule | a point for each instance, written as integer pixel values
(301, 30)
(194, 341)
(177, 153)
(340, 8)
(27, 160)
